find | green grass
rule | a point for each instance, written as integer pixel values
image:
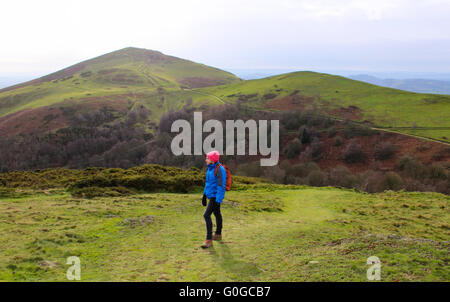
(271, 233)
(129, 71)
(385, 107)
(137, 76)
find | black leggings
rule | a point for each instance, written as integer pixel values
(213, 207)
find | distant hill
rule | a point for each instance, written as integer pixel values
(150, 84)
(116, 110)
(414, 113)
(119, 80)
(6, 81)
(414, 85)
(253, 74)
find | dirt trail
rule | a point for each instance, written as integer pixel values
(207, 94)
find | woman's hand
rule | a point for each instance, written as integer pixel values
(204, 200)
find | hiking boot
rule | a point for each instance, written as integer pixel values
(217, 237)
(207, 244)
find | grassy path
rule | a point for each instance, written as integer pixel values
(268, 236)
(207, 94)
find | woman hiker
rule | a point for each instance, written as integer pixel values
(214, 191)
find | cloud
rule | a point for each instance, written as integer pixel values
(48, 35)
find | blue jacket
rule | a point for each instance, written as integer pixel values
(215, 186)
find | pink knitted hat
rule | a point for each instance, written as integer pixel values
(213, 156)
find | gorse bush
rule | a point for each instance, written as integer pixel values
(275, 174)
(316, 178)
(342, 177)
(433, 178)
(103, 182)
(353, 153)
(91, 192)
(305, 138)
(293, 148)
(300, 170)
(337, 141)
(149, 178)
(411, 167)
(314, 151)
(391, 181)
(384, 151)
(93, 182)
(436, 171)
(118, 144)
(442, 153)
(305, 135)
(332, 132)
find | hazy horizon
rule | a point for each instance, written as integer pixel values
(355, 36)
(258, 73)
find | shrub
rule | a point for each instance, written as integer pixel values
(269, 96)
(436, 171)
(411, 167)
(353, 153)
(292, 120)
(441, 154)
(286, 166)
(390, 181)
(443, 187)
(384, 151)
(243, 180)
(298, 170)
(370, 180)
(252, 169)
(94, 181)
(314, 151)
(304, 134)
(293, 149)
(86, 74)
(148, 178)
(275, 174)
(300, 181)
(302, 171)
(423, 147)
(342, 177)
(352, 130)
(404, 161)
(366, 131)
(316, 178)
(332, 132)
(337, 141)
(413, 185)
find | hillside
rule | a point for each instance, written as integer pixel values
(132, 78)
(271, 232)
(115, 111)
(424, 115)
(118, 80)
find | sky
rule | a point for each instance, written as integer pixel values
(39, 37)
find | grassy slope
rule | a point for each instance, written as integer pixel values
(136, 71)
(384, 106)
(141, 72)
(338, 228)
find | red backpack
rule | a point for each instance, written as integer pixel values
(229, 180)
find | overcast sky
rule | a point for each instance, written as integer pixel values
(38, 37)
